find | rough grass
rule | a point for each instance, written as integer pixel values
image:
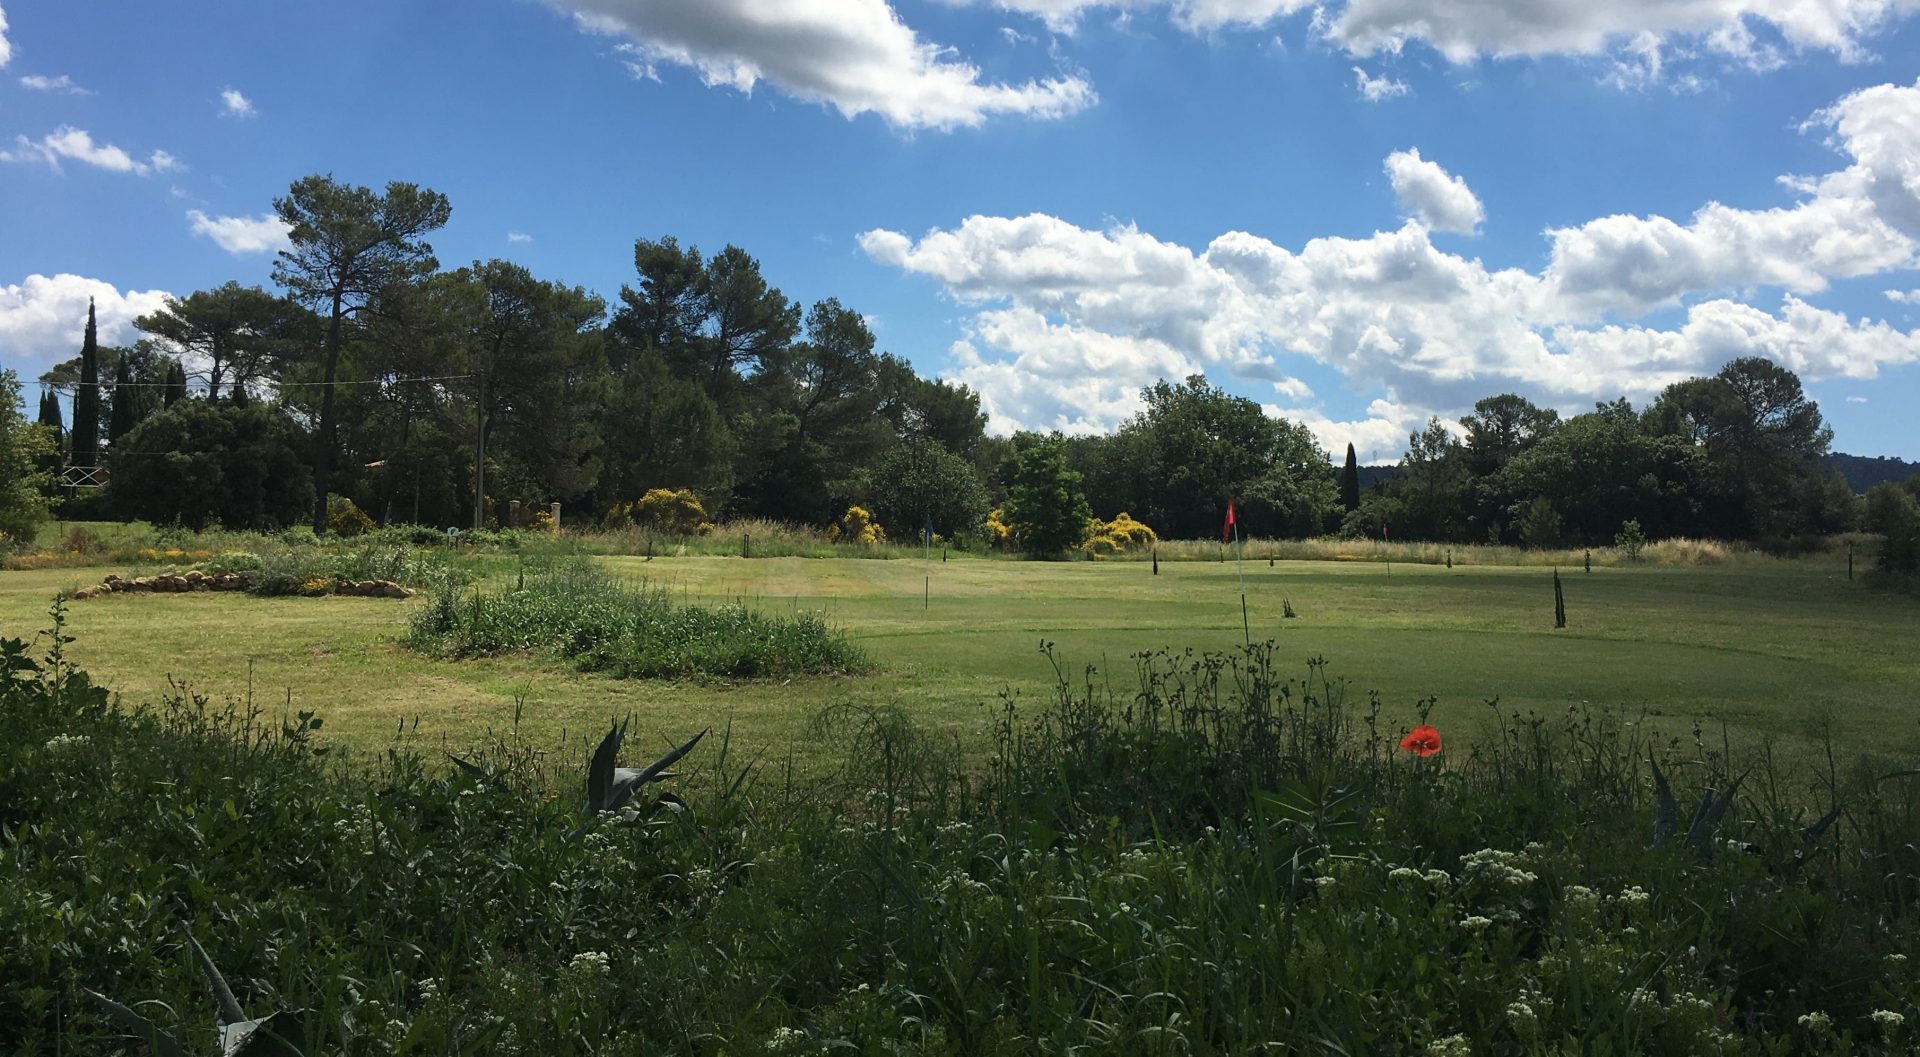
(1770, 647)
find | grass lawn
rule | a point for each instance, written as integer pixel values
(1767, 647)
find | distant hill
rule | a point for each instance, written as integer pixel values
(1861, 471)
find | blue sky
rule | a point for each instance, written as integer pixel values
(1360, 214)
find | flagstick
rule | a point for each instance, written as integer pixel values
(1240, 562)
(926, 585)
(1386, 549)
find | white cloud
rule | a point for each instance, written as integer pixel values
(1904, 297)
(1067, 324)
(1856, 400)
(1437, 198)
(857, 56)
(519, 236)
(74, 144)
(1464, 30)
(62, 84)
(234, 104)
(42, 318)
(6, 49)
(1375, 89)
(240, 235)
(1195, 16)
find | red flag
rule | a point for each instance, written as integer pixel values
(1226, 530)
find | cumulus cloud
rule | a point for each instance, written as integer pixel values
(74, 144)
(42, 318)
(1429, 193)
(1068, 323)
(6, 49)
(234, 104)
(1198, 16)
(1464, 30)
(1375, 89)
(241, 235)
(857, 56)
(62, 84)
(1904, 297)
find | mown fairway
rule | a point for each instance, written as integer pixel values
(1768, 647)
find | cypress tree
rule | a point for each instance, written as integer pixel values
(121, 414)
(176, 383)
(50, 417)
(239, 394)
(86, 400)
(1350, 482)
(1559, 602)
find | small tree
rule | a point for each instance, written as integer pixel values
(1539, 523)
(86, 399)
(1350, 482)
(120, 416)
(914, 482)
(1630, 539)
(25, 451)
(198, 463)
(1046, 508)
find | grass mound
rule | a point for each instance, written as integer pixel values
(577, 611)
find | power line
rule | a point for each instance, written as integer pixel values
(68, 387)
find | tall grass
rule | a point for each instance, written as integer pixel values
(1658, 552)
(572, 609)
(1216, 858)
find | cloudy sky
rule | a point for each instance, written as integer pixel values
(1360, 213)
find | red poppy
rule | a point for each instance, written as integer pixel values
(1422, 741)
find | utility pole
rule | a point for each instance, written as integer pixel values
(480, 454)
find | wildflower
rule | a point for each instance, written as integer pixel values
(1581, 897)
(1896, 959)
(1324, 881)
(1816, 1022)
(1422, 741)
(1403, 873)
(429, 989)
(1451, 1046)
(1436, 877)
(595, 962)
(785, 1040)
(1475, 923)
(1634, 896)
(1887, 1019)
(63, 742)
(1522, 1016)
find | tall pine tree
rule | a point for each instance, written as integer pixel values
(120, 414)
(1350, 482)
(86, 400)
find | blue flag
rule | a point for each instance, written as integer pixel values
(928, 530)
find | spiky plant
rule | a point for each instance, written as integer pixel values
(239, 1035)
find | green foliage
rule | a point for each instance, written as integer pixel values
(1630, 540)
(26, 451)
(1350, 482)
(1046, 511)
(198, 463)
(346, 520)
(575, 611)
(1539, 523)
(913, 482)
(1208, 838)
(86, 397)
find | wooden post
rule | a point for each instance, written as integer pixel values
(513, 513)
(554, 511)
(746, 545)
(1156, 561)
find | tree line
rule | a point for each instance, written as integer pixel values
(424, 395)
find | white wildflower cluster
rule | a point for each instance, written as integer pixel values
(1580, 897)
(959, 882)
(1816, 1022)
(358, 830)
(591, 963)
(1437, 878)
(1451, 1046)
(1324, 881)
(429, 989)
(1497, 867)
(956, 827)
(1522, 1016)
(67, 743)
(1476, 923)
(785, 1040)
(1896, 960)
(1642, 997)
(1887, 1019)
(1403, 873)
(1633, 897)
(701, 880)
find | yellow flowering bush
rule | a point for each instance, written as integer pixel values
(998, 535)
(346, 519)
(674, 511)
(856, 526)
(1122, 534)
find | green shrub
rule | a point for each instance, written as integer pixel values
(576, 611)
(346, 520)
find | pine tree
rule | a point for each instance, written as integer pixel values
(1350, 482)
(121, 416)
(86, 401)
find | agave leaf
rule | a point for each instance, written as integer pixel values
(270, 1036)
(1814, 832)
(160, 1043)
(485, 774)
(1666, 813)
(229, 1008)
(627, 781)
(1706, 821)
(601, 773)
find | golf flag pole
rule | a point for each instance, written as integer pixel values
(1385, 549)
(1240, 565)
(926, 535)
